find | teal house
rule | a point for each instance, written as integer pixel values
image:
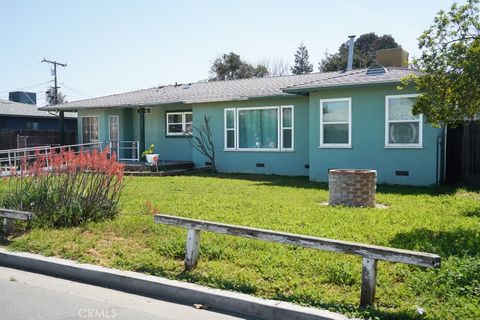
(289, 125)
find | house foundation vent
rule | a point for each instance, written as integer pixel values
(352, 187)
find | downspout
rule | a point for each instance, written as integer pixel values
(142, 129)
(437, 166)
(445, 154)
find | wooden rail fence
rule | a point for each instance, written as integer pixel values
(370, 253)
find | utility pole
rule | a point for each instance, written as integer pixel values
(55, 87)
(61, 115)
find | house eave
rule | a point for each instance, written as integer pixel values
(156, 104)
(306, 90)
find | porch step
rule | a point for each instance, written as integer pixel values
(139, 166)
(157, 174)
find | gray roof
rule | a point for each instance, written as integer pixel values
(16, 109)
(233, 90)
(354, 78)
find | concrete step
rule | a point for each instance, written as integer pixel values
(162, 166)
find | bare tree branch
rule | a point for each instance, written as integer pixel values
(202, 141)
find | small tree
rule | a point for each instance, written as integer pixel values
(302, 64)
(231, 66)
(450, 58)
(202, 141)
(276, 66)
(50, 96)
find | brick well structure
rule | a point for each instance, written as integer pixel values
(352, 187)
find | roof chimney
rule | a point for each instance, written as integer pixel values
(393, 57)
(350, 52)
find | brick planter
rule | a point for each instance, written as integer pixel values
(352, 187)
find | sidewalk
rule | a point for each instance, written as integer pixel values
(25, 295)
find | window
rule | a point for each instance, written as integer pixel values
(179, 123)
(402, 128)
(287, 127)
(259, 128)
(335, 123)
(113, 128)
(230, 128)
(32, 125)
(90, 129)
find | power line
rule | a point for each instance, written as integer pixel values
(32, 86)
(75, 90)
(15, 68)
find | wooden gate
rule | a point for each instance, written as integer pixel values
(463, 153)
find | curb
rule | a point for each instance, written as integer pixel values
(165, 289)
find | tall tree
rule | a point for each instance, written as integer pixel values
(302, 64)
(450, 59)
(363, 55)
(230, 66)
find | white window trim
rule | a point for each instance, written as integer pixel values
(291, 128)
(336, 145)
(98, 124)
(118, 123)
(279, 128)
(183, 123)
(234, 129)
(418, 145)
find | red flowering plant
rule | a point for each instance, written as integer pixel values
(66, 188)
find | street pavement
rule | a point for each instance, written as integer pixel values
(31, 296)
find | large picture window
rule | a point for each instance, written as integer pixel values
(335, 123)
(90, 129)
(402, 128)
(179, 123)
(259, 129)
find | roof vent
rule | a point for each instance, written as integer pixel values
(375, 70)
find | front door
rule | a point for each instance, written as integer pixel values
(114, 134)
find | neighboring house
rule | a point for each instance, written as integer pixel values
(288, 125)
(15, 115)
(25, 119)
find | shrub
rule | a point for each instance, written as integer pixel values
(76, 188)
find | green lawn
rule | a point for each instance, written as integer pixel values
(445, 221)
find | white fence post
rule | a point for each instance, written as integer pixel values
(369, 282)
(192, 249)
(138, 150)
(46, 156)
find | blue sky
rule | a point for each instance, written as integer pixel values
(116, 46)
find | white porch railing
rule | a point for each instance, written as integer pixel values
(12, 158)
(126, 150)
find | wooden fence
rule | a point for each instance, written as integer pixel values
(463, 153)
(9, 216)
(22, 138)
(370, 253)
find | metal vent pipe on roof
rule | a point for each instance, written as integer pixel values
(350, 53)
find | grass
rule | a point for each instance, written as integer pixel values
(445, 221)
